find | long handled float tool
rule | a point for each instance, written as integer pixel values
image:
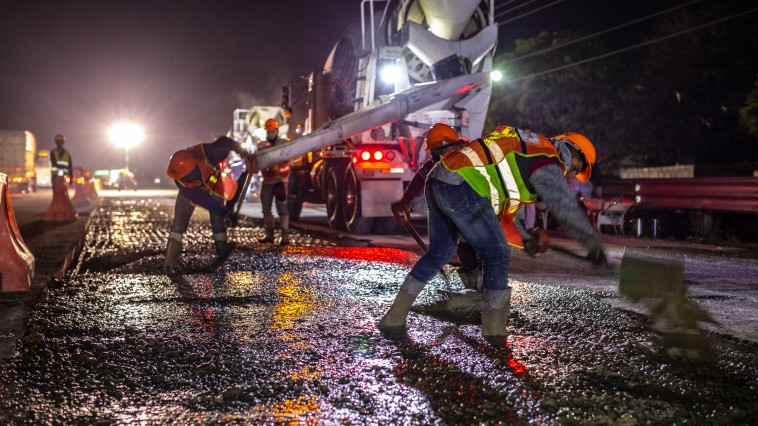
(657, 280)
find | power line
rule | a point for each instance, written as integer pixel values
(635, 46)
(505, 12)
(504, 4)
(599, 33)
(529, 13)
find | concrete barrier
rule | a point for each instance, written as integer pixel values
(16, 261)
(60, 209)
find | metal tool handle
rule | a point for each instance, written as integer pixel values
(403, 218)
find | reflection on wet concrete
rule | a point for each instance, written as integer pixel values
(287, 335)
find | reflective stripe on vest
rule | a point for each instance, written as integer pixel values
(484, 170)
(60, 166)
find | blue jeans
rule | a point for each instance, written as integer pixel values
(456, 210)
(183, 209)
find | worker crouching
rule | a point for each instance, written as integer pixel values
(206, 177)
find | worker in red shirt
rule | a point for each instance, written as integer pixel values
(274, 188)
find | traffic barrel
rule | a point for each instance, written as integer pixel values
(16, 261)
(80, 196)
(60, 209)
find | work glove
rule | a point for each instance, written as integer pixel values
(540, 243)
(597, 257)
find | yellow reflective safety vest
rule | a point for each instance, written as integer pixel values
(497, 167)
(59, 166)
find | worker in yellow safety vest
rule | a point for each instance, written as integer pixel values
(60, 160)
(474, 192)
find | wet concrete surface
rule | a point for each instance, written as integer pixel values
(287, 335)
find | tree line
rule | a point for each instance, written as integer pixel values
(685, 99)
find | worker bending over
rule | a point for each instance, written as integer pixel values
(205, 177)
(474, 192)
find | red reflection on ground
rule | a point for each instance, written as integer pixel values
(372, 254)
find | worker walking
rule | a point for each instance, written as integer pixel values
(274, 188)
(206, 177)
(475, 190)
(60, 160)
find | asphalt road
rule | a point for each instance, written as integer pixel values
(287, 334)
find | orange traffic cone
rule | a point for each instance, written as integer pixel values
(80, 197)
(60, 209)
(16, 261)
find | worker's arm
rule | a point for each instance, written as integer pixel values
(416, 185)
(551, 186)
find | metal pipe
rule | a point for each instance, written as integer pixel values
(395, 108)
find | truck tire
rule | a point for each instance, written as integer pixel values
(294, 199)
(354, 220)
(334, 198)
(384, 225)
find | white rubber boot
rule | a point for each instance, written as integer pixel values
(173, 250)
(398, 313)
(497, 304)
(268, 224)
(285, 220)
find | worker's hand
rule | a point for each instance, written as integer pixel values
(400, 210)
(540, 243)
(597, 257)
(250, 162)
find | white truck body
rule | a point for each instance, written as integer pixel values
(408, 65)
(17, 153)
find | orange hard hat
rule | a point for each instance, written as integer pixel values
(271, 124)
(440, 135)
(181, 164)
(586, 148)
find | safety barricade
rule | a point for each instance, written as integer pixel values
(89, 187)
(60, 209)
(16, 261)
(80, 196)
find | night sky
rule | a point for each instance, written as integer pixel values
(179, 68)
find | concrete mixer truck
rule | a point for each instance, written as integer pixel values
(405, 66)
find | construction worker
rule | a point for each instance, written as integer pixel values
(60, 160)
(474, 192)
(199, 173)
(274, 188)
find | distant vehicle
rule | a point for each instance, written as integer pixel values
(116, 179)
(17, 154)
(43, 170)
(125, 179)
